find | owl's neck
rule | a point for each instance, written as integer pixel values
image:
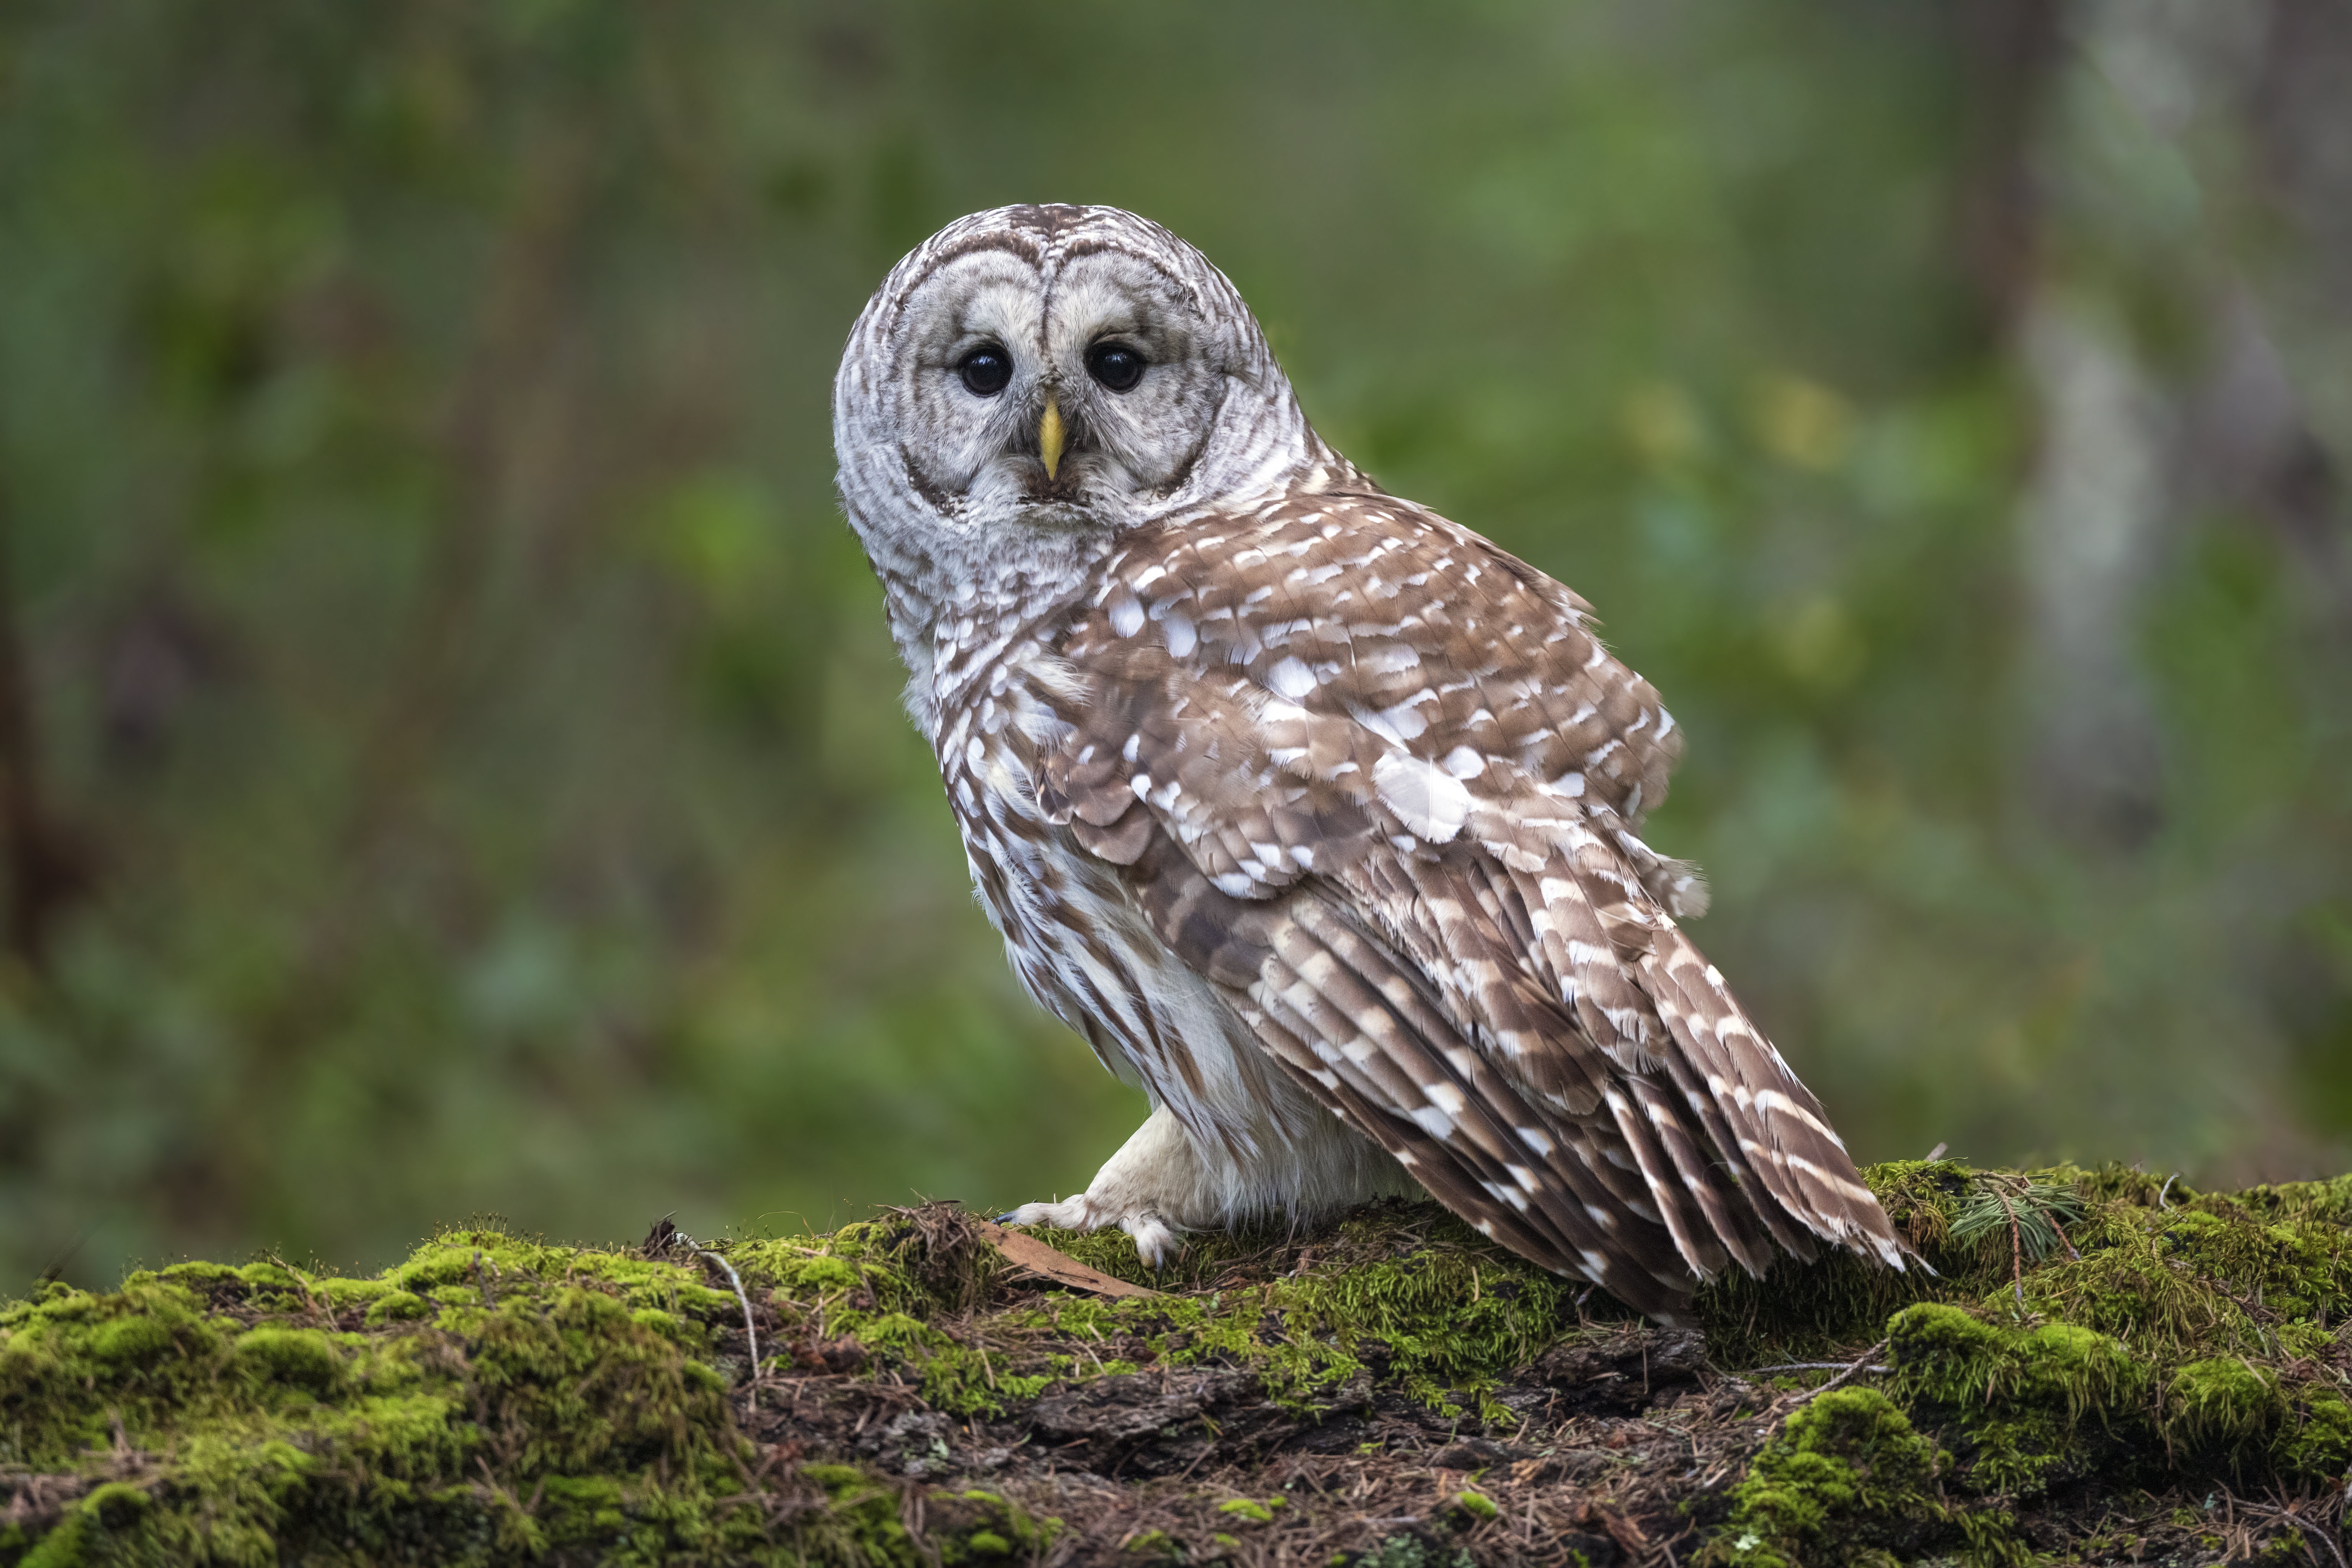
(956, 611)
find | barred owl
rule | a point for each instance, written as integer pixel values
(1315, 814)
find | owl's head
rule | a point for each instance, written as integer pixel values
(1053, 370)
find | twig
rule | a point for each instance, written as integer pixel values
(2289, 1514)
(2016, 1251)
(750, 1332)
(2166, 1188)
(1810, 1366)
(1196, 1462)
(1853, 1370)
(667, 1234)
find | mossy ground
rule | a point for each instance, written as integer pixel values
(2116, 1373)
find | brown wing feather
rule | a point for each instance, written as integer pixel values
(1381, 782)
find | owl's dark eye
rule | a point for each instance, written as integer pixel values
(986, 369)
(1115, 365)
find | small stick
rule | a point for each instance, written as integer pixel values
(2301, 1525)
(2166, 1188)
(2016, 1251)
(1810, 1366)
(1856, 1368)
(677, 1238)
(750, 1332)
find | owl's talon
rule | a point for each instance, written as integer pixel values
(1155, 1240)
(1071, 1213)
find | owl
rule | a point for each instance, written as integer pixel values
(1315, 814)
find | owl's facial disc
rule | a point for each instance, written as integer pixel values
(1071, 397)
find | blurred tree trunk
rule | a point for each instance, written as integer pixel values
(2170, 143)
(2279, 428)
(2181, 311)
(47, 866)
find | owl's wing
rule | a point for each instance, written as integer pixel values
(1381, 782)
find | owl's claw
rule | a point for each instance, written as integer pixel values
(1155, 1240)
(1071, 1213)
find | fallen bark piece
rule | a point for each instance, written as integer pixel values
(1028, 1252)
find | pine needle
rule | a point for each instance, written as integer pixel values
(2034, 1213)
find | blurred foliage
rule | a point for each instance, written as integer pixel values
(464, 771)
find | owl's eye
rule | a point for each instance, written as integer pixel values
(986, 369)
(1115, 366)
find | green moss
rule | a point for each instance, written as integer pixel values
(268, 1436)
(964, 1383)
(1408, 1552)
(862, 1529)
(130, 1341)
(1846, 1480)
(2222, 1403)
(1952, 1356)
(985, 1526)
(191, 1274)
(297, 1358)
(2194, 1280)
(1443, 1317)
(2315, 1439)
(501, 1397)
(397, 1307)
(2121, 1326)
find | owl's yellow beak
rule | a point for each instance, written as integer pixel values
(1052, 437)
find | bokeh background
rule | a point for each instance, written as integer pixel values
(449, 757)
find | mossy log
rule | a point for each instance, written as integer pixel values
(2085, 1367)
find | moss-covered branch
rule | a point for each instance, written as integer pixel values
(2094, 1370)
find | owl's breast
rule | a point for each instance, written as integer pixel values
(1073, 928)
(988, 742)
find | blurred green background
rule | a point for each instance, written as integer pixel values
(449, 754)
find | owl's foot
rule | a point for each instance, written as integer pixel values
(1156, 1240)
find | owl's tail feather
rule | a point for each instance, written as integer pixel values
(1733, 1151)
(1788, 1233)
(1771, 1127)
(1604, 1200)
(1730, 1221)
(1651, 1104)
